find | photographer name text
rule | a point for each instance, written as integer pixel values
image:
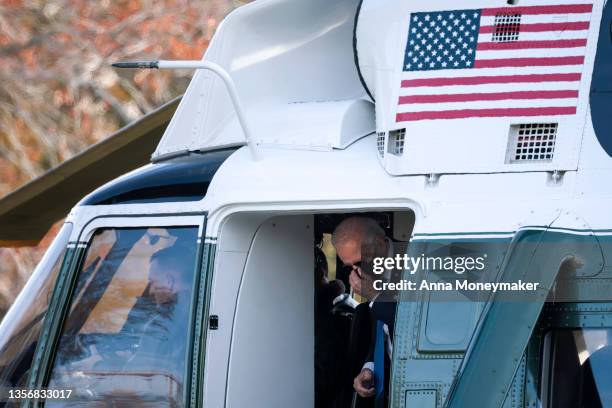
(457, 285)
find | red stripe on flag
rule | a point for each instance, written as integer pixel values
(519, 45)
(541, 27)
(552, 9)
(497, 79)
(496, 96)
(528, 62)
(484, 113)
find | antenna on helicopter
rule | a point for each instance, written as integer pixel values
(210, 66)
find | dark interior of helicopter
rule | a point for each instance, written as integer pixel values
(344, 329)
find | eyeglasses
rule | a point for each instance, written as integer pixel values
(355, 267)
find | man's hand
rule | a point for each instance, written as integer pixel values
(355, 282)
(364, 383)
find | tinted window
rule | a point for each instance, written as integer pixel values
(182, 179)
(601, 84)
(578, 374)
(125, 338)
(22, 325)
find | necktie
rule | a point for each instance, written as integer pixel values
(379, 360)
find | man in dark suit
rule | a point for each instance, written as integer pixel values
(331, 331)
(358, 240)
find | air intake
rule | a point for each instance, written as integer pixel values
(531, 142)
(380, 143)
(507, 27)
(395, 144)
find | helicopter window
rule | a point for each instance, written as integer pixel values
(577, 368)
(125, 337)
(449, 317)
(177, 180)
(601, 85)
(22, 325)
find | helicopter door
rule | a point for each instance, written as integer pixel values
(272, 346)
(125, 337)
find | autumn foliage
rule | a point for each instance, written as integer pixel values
(59, 93)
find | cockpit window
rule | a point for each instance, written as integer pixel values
(601, 84)
(23, 323)
(577, 368)
(125, 338)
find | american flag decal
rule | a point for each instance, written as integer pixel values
(494, 62)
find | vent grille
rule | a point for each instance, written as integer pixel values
(380, 143)
(507, 27)
(395, 144)
(532, 142)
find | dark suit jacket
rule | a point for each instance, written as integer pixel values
(360, 344)
(384, 312)
(363, 333)
(331, 333)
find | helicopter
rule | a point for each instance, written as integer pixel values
(463, 128)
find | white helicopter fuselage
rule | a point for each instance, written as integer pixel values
(322, 84)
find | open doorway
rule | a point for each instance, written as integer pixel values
(346, 313)
(300, 333)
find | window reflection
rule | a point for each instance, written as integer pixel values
(125, 337)
(579, 373)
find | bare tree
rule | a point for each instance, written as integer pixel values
(59, 93)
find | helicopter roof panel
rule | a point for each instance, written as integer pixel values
(311, 126)
(285, 57)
